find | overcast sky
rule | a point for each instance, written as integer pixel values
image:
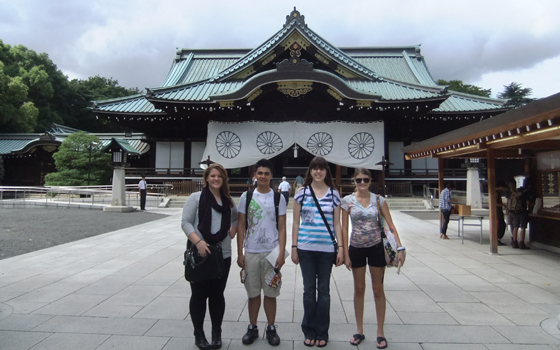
(488, 43)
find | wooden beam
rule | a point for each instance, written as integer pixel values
(492, 196)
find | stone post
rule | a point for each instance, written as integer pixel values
(474, 198)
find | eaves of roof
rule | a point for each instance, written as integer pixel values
(461, 102)
(532, 112)
(129, 105)
(22, 143)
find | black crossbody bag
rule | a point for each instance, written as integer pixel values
(335, 242)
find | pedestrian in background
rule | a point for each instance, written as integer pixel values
(285, 189)
(142, 186)
(445, 208)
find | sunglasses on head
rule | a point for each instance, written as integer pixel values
(359, 181)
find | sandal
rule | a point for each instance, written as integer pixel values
(357, 339)
(319, 345)
(309, 342)
(379, 340)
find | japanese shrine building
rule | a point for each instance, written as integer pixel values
(295, 94)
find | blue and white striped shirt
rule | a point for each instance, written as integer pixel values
(313, 234)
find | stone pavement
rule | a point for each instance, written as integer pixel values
(125, 290)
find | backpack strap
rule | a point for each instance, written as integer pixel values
(276, 205)
(247, 202)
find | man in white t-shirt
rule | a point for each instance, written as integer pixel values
(259, 232)
(142, 190)
(285, 189)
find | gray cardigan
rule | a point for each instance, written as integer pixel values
(189, 221)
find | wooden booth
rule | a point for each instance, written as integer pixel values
(531, 133)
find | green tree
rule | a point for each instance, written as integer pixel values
(94, 89)
(34, 93)
(72, 162)
(457, 85)
(17, 114)
(517, 95)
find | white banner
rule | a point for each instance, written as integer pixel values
(236, 145)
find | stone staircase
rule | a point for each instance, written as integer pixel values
(395, 203)
(406, 203)
(177, 201)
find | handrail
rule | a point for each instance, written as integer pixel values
(70, 194)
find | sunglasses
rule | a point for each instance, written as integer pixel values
(359, 181)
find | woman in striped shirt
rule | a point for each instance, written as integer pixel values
(314, 248)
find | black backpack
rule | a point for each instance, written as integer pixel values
(248, 201)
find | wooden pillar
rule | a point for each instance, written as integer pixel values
(492, 196)
(338, 175)
(441, 186)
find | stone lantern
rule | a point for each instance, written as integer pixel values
(119, 150)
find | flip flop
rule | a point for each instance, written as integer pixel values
(357, 339)
(381, 339)
(321, 345)
(311, 342)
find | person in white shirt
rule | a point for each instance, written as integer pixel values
(142, 190)
(285, 189)
(262, 228)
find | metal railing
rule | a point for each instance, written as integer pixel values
(23, 196)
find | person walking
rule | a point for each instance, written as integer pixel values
(501, 188)
(445, 208)
(285, 189)
(142, 186)
(365, 247)
(262, 228)
(317, 202)
(210, 217)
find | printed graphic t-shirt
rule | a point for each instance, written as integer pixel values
(365, 228)
(262, 233)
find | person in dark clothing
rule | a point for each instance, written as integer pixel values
(501, 188)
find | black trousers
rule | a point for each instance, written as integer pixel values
(445, 220)
(501, 223)
(142, 199)
(286, 196)
(213, 291)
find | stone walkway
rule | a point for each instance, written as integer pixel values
(125, 290)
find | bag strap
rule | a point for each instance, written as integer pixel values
(335, 243)
(379, 215)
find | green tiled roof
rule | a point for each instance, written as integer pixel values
(121, 143)
(393, 73)
(12, 143)
(460, 102)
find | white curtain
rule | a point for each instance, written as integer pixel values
(236, 145)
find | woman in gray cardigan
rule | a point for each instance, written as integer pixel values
(210, 217)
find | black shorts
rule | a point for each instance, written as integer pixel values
(374, 256)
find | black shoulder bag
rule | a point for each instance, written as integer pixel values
(335, 243)
(199, 268)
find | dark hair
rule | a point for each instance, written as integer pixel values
(319, 163)
(225, 183)
(451, 185)
(264, 163)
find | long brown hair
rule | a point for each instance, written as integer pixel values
(225, 182)
(319, 163)
(361, 171)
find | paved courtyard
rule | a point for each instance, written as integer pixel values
(125, 290)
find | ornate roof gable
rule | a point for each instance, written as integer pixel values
(295, 37)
